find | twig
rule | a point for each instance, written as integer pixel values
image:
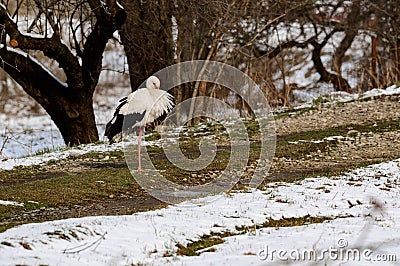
(82, 247)
(6, 138)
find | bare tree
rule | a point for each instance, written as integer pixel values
(261, 37)
(385, 25)
(47, 29)
(147, 38)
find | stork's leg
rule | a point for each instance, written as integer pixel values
(139, 141)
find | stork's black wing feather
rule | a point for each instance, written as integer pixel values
(121, 123)
(123, 99)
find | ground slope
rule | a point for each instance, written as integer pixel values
(324, 139)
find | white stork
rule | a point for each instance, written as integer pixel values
(138, 109)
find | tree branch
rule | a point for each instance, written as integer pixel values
(339, 83)
(107, 23)
(355, 17)
(97, 8)
(54, 26)
(31, 75)
(286, 45)
(51, 47)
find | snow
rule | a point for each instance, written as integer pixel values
(330, 138)
(63, 84)
(8, 164)
(13, 203)
(365, 204)
(376, 92)
(27, 135)
(334, 97)
(343, 97)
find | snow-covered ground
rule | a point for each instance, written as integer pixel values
(368, 230)
(58, 154)
(341, 96)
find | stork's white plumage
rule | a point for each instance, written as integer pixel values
(138, 109)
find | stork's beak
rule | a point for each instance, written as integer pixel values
(157, 87)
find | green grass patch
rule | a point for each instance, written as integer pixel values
(28, 173)
(68, 190)
(301, 149)
(190, 150)
(206, 242)
(305, 144)
(285, 222)
(21, 173)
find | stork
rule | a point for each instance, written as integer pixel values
(139, 108)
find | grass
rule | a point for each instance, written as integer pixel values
(286, 149)
(192, 249)
(72, 189)
(44, 151)
(291, 112)
(173, 173)
(320, 100)
(21, 173)
(206, 242)
(53, 186)
(28, 173)
(67, 190)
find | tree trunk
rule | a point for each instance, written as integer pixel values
(398, 59)
(351, 30)
(71, 108)
(75, 120)
(374, 75)
(339, 83)
(147, 38)
(70, 104)
(342, 49)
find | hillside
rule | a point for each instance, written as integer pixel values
(323, 139)
(319, 176)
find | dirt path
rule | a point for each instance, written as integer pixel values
(341, 114)
(324, 140)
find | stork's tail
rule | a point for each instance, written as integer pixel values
(114, 128)
(122, 123)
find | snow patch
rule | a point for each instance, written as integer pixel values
(13, 203)
(369, 207)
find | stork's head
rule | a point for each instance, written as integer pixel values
(153, 83)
